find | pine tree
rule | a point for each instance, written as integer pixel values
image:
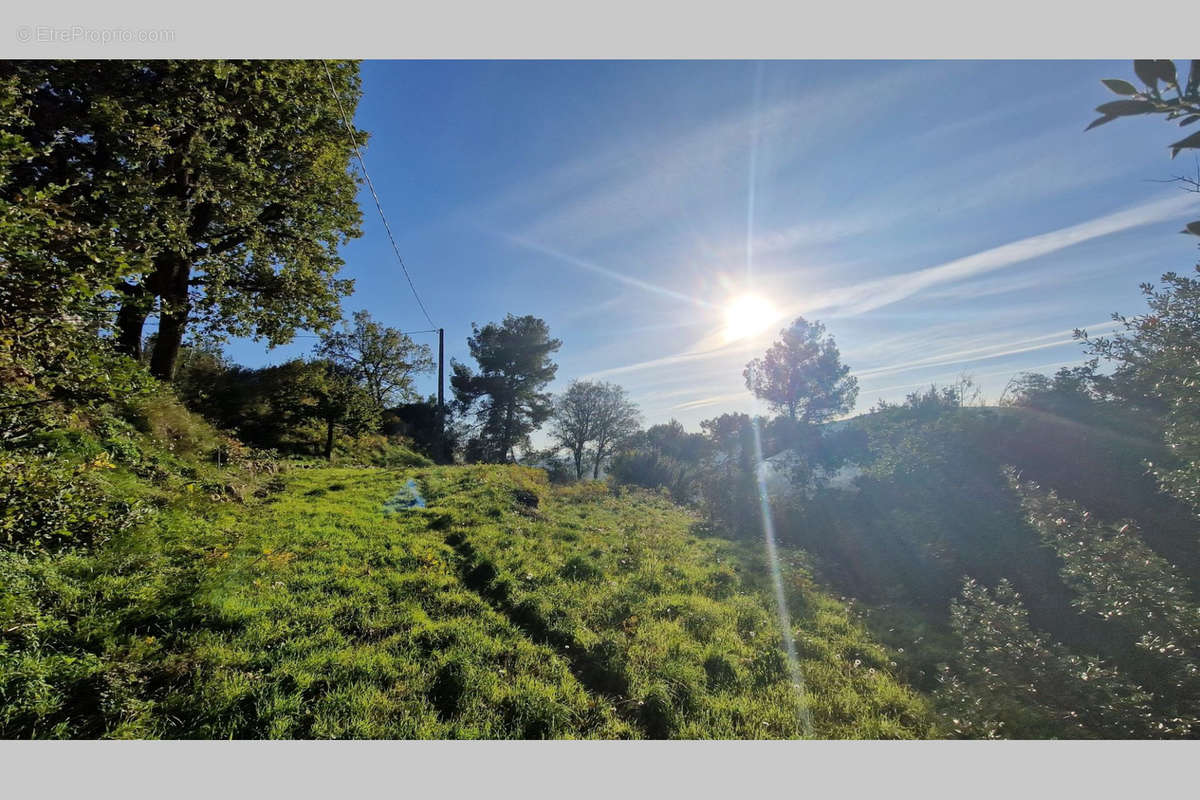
(802, 374)
(506, 396)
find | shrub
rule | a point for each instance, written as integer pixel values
(652, 470)
(46, 503)
(1009, 679)
(381, 451)
(582, 492)
(162, 417)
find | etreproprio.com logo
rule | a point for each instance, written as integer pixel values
(71, 34)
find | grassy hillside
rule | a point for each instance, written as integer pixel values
(318, 605)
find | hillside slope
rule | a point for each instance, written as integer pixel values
(931, 506)
(505, 608)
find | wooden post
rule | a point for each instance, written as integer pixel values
(441, 409)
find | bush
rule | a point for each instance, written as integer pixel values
(163, 418)
(46, 503)
(381, 451)
(582, 491)
(651, 469)
(1010, 680)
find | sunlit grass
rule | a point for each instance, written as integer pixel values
(315, 614)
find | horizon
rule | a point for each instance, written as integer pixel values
(931, 238)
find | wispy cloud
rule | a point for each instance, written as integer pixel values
(612, 274)
(874, 294)
(985, 353)
(1042, 166)
(975, 376)
(713, 400)
(1066, 270)
(592, 309)
(955, 127)
(666, 361)
(870, 295)
(664, 180)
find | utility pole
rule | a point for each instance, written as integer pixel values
(441, 390)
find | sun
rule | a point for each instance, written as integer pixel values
(748, 315)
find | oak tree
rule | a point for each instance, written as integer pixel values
(591, 418)
(225, 184)
(384, 359)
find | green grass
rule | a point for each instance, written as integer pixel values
(505, 609)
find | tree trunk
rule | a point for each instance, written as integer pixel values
(578, 464)
(171, 327)
(131, 318)
(173, 269)
(171, 280)
(596, 466)
(506, 443)
(329, 439)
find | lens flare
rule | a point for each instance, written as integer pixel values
(746, 316)
(781, 607)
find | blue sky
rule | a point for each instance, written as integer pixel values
(938, 217)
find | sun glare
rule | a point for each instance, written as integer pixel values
(746, 316)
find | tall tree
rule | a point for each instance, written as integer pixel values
(616, 420)
(574, 421)
(54, 262)
(506, 396)
(226, 183)
(383, 358)
(802, 374)
(593, 413)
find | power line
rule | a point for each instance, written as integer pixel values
(379, 206)
(402, 333)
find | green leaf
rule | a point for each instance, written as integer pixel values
(1119, 86)
(1124, 108)
(1192, 227)
(1192, 141)
(1164, 70)
(1146, 72)
(1096, 123)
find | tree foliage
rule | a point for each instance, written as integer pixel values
(333, 394)
(1157, 366)
(298, 407)
(1151, 99)
(617, 419)
(1009, 680)
(802, 374)
(1119, 579)
(421, 423)
(506, 396)
(574, 421)
(224, 184)
(663, 456)
(54, 262)
(591, 418)
(382, 358)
